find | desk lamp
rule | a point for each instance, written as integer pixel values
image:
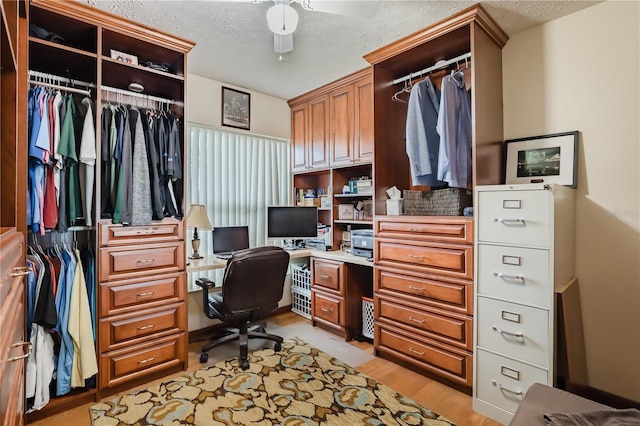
(197, 218)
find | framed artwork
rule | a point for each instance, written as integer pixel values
(543, 159)
(236, 108)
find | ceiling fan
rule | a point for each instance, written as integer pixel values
(282, 18)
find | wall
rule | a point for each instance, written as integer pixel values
(581, 72)
(269, 116)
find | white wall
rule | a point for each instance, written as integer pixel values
(269, 116)
(581, 72)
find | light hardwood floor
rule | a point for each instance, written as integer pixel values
(450, 403)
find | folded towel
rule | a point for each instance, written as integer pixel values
(626, 417)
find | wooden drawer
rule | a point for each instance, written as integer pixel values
(502, 382)
(515, 217)
(514, 273)
(454, 229)
(452, 329)
(514, 330)
(129, 329)
(452, 294)
(141, 260)
(440, 258)
(451, 363)
(115, 234)
(328, 274)
(128, 295)
(124, 365)
(328, 307)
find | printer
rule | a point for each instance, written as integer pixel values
(362, 242)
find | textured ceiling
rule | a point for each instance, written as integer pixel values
(235, 46)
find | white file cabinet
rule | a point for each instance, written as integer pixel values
(524, 249)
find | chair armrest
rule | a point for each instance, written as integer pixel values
(205, 283)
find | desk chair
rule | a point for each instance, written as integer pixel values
(252, 287)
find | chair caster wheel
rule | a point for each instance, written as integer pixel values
(204, 357)
(244, 364)
(277, 347)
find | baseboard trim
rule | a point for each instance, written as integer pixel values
(206, 333)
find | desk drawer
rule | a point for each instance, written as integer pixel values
(451, 294)
(122, 330)
(448, 362)
(131, 295)
(328, 307)
(451, 329)
(445, 259)
(115, 234)
(141, 260)
(426, 228)
(125, 365)
(328, 274)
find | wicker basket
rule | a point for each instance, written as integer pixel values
(439, 202)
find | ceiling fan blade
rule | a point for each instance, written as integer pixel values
(361, 9)
(282, 43)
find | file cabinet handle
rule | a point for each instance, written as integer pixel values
(504, 389)
(508, 277)
(509, 221)
(415, 352)
(508, 333)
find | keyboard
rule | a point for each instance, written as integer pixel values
(225, 256)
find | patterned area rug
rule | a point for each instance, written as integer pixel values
(298, 386)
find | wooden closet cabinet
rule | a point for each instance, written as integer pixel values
(310, 134)
(327, 295)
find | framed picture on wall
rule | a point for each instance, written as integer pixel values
(236, 108)
(543, 159)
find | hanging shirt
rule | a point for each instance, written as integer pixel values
(63, 301)
(87, 159)
(454, 127)
(141, 187)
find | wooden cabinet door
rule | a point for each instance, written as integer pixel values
(318, 143)
(299, 134)
(363, 118)
(341, 122)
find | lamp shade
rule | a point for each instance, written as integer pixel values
(282, 19)
(197, 217)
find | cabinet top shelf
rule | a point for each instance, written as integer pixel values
(351, 195)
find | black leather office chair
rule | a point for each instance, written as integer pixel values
(252, 287)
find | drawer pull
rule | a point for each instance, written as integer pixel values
(17, 345)
(144, 361)
(146, 293)
(509, 277)
(503, 389)
(145, 327)
(508, 333)
(419, 321)
(414, 288)
(145, 261)
(413, 256)
(509, 221)
(324, 276)
(416, 352)
(325, 309)
(148, 231)
(417, 229)
(20, 271)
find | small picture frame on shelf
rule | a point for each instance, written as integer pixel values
(124, 57)
(236, 108)
(543, 159)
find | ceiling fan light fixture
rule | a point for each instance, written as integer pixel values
(282, 19)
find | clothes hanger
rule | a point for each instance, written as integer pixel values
(405, 89)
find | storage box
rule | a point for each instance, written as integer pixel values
(345, 211)
(311, 202)
(394, 206)
(438, 202)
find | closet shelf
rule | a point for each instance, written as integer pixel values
(58, 46)
(143, 68)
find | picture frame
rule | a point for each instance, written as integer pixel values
(543, 159)
(236, 108)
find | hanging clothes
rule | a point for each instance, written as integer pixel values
(141, 187)
(87, 157)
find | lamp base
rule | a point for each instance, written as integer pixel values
(195, 256)
(195, 245)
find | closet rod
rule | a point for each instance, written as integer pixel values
(85, 92)
(138, 95)
(437, 66)
(59, 79)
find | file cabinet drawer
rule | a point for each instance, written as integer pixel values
(128, 329)
(429, 228)
(131, 295)
(328, 308)
(328, 274)
(439, 258)
(450, 329)
(141, 260)
(510, 217)
(454, 295)
(514, 330)
(115, 234)
(514, 273)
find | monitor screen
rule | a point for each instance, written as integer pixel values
(292, 222)
(228, 239)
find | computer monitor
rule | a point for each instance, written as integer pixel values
(292, 222)
(227, 239)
